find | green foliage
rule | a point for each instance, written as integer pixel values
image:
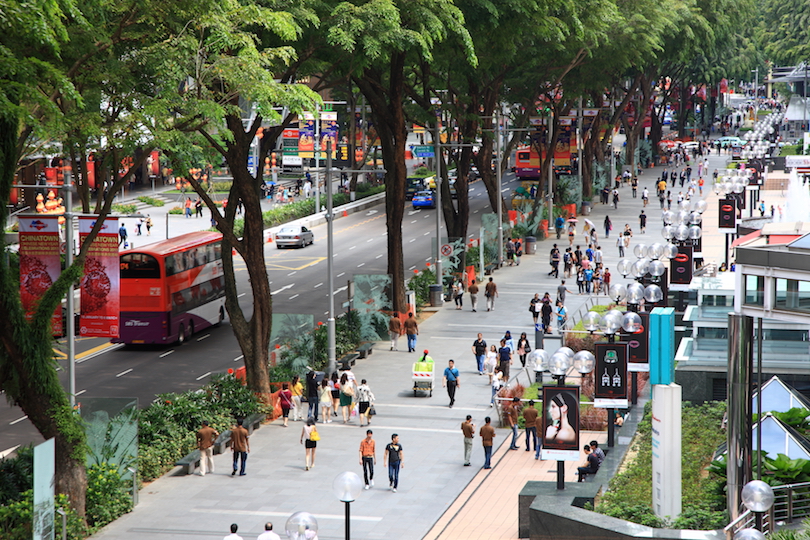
(107, 495)
(113, 441)
(16, 475)
(420, 283)
(124, 209)
(176, 210)
(422, 172)
(792, 150)
(151, 201)
(703, 500)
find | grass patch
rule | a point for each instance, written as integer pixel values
(151, 201)
(124, 209)
(629, 496)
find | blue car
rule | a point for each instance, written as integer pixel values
(424, 199)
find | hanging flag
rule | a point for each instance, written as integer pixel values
(99, 286)
(40, 263)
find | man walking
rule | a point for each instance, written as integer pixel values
(368, 458)
(268, 533)
(206, 437)
(450, 380)
(411, 331)
(642, 222)
(468, 429)
(122, 235)
(393, 458)
(240, 443)
(554, 260)
(312, 395)
(530, 419)
(561, 290)
(487, 436)
(479, 349)
(394, 330)
(491, 291)
(511, 417)
(473, 290)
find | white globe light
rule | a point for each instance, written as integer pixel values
(682, 216)
(671, 251)
(695, 232)
(749, 534)
(681, 232)
(667, 232)
(701, 206)
(568, 351)
(631, 323)
(639, 268)
(347, 486)
(611, 322)
(617, 292)
(624, 266)
(667, 217)
(657, 268)
(653, 294)
(538, 359)
(695, 218)
(559, 363)
(635, 292)
(656, 250)
(301, 526)
(739, 187)
(640, 250)
(757, 496)
(584, 362)
(591, 319)
(684, 204)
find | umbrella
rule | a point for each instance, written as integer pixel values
(572, 220)
(670, 144)
(589, 223)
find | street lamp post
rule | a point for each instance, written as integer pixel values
(498, 183)
(330, 250)
(71, 321)
(346, 487)
(301, 526)
(437, 150)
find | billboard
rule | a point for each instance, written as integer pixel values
(638, 345)
(40, 263)
(306, 136)
(100, 304)
(610, 375)
(681, 267)
(560, 423)
(727, 215)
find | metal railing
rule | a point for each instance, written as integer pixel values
(791, 503)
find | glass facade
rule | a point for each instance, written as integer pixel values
(792, 295)
(754, 290)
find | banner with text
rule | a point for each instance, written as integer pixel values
(99, 286)
(40, 263)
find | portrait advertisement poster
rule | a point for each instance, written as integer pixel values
(681, 266)
(610, 375)
(329, 132)
(100, 303)
(638, 345)
(560, 423)
(306, 135)
(40, 263)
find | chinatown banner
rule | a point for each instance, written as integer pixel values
(40, 263)
(329, 132)
(306, 135)
(99, 286)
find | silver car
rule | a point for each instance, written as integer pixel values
(294, 236)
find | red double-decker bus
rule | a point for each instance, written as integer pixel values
(171, 289)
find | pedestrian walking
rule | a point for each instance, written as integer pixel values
(309, 438)
(450, 381)
(634, 185)
(642, 222)
(510, 251)
(473, 290)
(491, 361)
(562, 317)
(233, 535)
(491, 292)
(523, 348)
(458, 293)
(122, 235)
(608, 226)
(487, 434)
(240, 444)
(334, 386)
(138, 225)
(325, 399)
(285, 399)
(529, 422)
(554, 261)
(534, 307)
(346, 397)
(411, 331)
(148, 225)
(561, 291)
(510, 414)
(645, 196)
(297, 390)
(268, 533)
(615, 199)
(504, 358)
(368, 458)
(572, 231)
(468, 429)
(206, 437)
(559, 223)
(313, 395)
(394, 331)
(496, 382)
(479, 350)
(568, 262)
(393, 459)
(365, 398)
(198, 207)
(545, 313)
(581, 279)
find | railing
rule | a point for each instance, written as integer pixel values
(791, 503)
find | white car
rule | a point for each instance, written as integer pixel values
(294, 236)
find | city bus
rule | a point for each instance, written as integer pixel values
(527, 163)
(171, 289)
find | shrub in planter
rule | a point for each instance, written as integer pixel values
(107, 495)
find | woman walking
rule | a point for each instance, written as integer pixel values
(364, 400)
(346, 397)
(310, 438)
(545, 311)
(534, 307)
(562, 317)
(496, 384)
(297, 390)
(325, 399)
(458, 293)
(504, 358)
(286, 402)
(523, 348)
(491, 361)
(608, 226)
(334, 386)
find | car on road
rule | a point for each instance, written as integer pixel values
(294, 236)
(414, 185)
(424, 199)
(730, 141)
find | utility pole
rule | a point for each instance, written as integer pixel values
(612, 153)
(579, 142)
(437, 152)
(71, 324)
(330, 250)
(498, 181)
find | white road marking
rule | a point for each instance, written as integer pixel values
(203, 337)
(18, 420)
(203, 376)
(412, 267)
(99, 353)
(352, 247)
(240, 357)
(240, 295)
(291, 273)
(341, 274)
(124, 372)
(475, 211)
(167, 353)
(318, 285)
(80, 392)
(369, 240)
(379, 256)
(293, 296)
(361, 264)
(340, 289)
(284, 288)
(412, 240)
(371, 212)
(414, 221)
(427, 233)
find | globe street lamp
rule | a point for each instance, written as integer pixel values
(301, 526)
(758, 497)
(347, 487)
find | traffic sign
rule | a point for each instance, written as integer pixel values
(423, 151)
(447, 250)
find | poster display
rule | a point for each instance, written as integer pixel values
(560, 423)
(100, 303)
(40, 263)
(681, 266)
(306, 135)
(727, 215)
(638, 345)
(329, 132)
(610, 375)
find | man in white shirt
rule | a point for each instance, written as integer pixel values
(233, 535)
(268, 533)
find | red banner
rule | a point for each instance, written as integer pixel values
(40, 264)
(99, 286)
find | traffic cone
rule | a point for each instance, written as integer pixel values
(270, 239)
(345, 213)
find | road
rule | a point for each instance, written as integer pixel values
(298, 278)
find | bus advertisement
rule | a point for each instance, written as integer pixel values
(171, 289)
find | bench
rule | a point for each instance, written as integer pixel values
(488, 269)
(253, 422)
(189, 462)
(222, 442)
(365, 350)
(348, 360)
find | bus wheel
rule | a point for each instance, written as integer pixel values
(181, 335)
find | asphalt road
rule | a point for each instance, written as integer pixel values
(298, 278)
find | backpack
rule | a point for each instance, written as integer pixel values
(567, 258)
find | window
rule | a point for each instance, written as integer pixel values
(139, 265)
(186, 260)
(754, 290)
(714, 300)
(523, 156)
(792, 294)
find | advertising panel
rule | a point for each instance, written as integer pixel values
(560, 423)
(681, 266)
(329, 132)
(638, 345)
(727, 220)
(610, 375)
(306, 136)
(99, 286)
(40, 263)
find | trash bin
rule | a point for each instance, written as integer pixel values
(436, 295)
(586, 208)
(531, 245)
